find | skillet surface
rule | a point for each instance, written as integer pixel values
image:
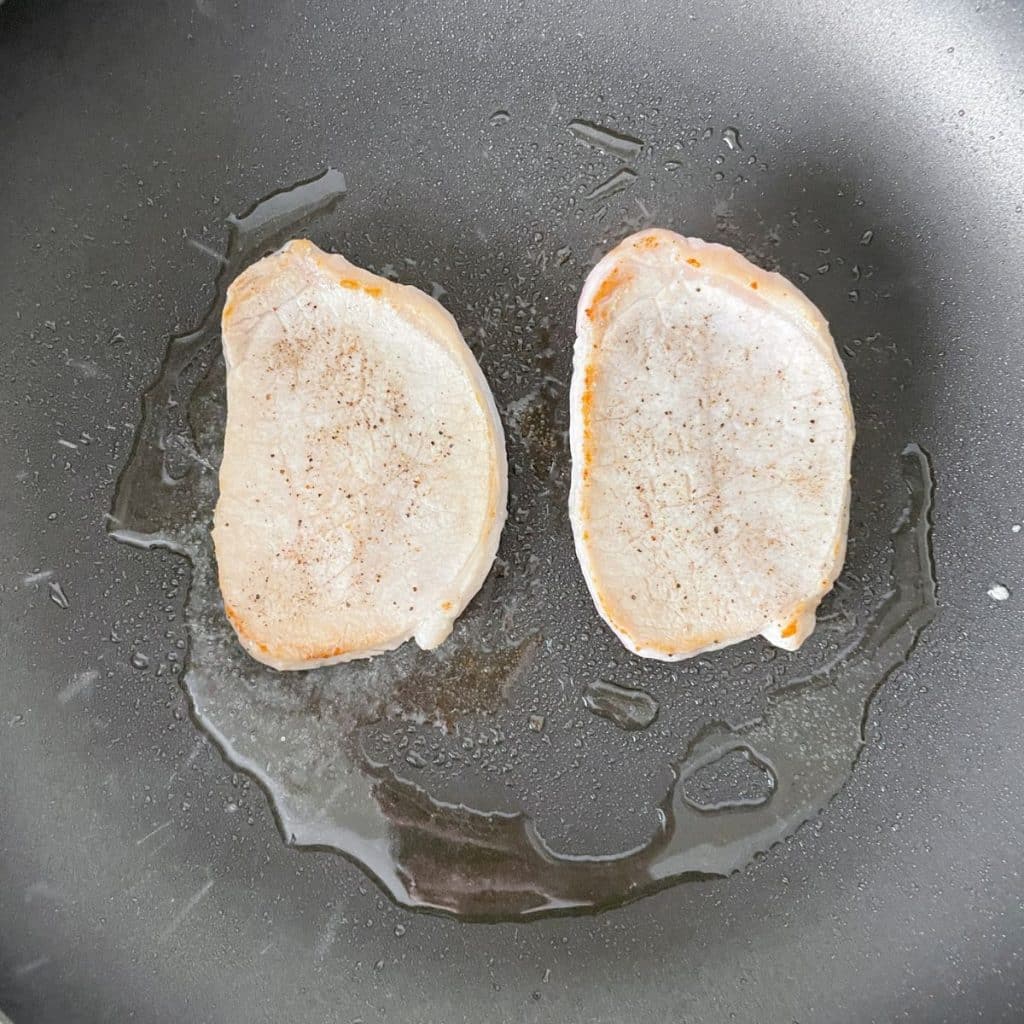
(129, 136)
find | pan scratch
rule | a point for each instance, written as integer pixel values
(329, 932)
(149, 835)
(79, 684)
(199, 895)
(32, 965)
(206, 250)
(197, 749)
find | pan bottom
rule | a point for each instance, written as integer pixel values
(436, 771)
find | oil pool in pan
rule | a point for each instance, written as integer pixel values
(456, 777)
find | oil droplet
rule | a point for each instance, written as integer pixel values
(139, 660)
(737, 778)
(731, 137)
(719, 176)
(999, 592)
(865, 239)
(672, 165)
(616, 144)
(57, 595)
(627, 708)
(618, 182)
(499, 117)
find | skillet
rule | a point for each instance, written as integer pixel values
(131, 135)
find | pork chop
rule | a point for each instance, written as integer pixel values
(363, 484)
(711, 433)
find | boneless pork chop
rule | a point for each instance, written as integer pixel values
(711, 434)
(363, 485)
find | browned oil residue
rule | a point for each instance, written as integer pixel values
(443, 690)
